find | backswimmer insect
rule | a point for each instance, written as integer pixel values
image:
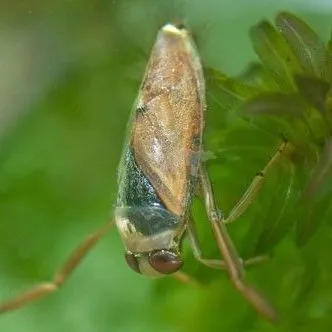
(159, 173)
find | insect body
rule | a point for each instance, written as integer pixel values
(159, 172)
(161, 158)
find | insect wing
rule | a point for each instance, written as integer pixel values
(167, 130)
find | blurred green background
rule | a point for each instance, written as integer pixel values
(70, 71)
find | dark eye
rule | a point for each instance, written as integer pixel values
(180, 26)
(132, 261)
(165, 261)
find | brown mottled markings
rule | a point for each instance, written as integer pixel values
(166, 135)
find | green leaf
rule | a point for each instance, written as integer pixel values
(310, 215)
(329, 44)
(274, 103)
(306, 45)
(314, 90)
(279, 218)
(328, 104)
(228, 93)
(257, 75)
(275, 54)
(315, 199)
(320, 179)
(279, 114)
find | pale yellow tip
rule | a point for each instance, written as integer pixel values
(171, 28)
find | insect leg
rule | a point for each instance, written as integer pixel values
(253, 189)
(184, 278)
(60, 276)
(215, 263)
(229, 254)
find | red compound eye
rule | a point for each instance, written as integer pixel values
(165, 262)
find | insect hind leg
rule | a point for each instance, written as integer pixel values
(250, 194)
(229, 253)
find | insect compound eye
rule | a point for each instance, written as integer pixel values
(132, 262)
(180, 25)
(165, 262)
